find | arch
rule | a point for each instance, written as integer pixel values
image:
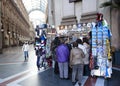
(35, 9)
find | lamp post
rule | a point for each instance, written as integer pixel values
(9, 36)
(1, 30)
(2, 34)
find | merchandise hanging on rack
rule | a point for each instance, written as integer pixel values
(101, 51)
(40, 47)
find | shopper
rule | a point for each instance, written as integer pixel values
(76, 63)
(54, 44)
(80, 45)
(86, 59)
(62, 54)
(25, 48)
(92, 61)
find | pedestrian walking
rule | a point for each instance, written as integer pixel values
(62, 54)
(38, 51)
(76, 63)
(25, 49)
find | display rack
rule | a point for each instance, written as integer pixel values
(101, 51)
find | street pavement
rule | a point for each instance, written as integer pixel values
(15, 72)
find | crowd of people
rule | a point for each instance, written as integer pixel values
(71, 58)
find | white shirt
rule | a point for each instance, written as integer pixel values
(87, 47)
(83, 48)
(25, 47)
(86, 59)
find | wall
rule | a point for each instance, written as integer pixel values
(50, 9)
(68, 8)
(115, 29)
(78, 10)
(58, 11)
(89, 6)
(14, 22)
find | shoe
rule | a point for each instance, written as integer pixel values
(79, 84)
(38, 68)
(66, 78)
(25, 60)
(73, 83)
(61, 78)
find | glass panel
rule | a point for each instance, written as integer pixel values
(35, 4)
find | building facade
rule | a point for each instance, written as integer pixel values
(15, 23)
(67, 13)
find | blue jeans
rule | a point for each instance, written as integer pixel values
(26, 54)
(63, 69)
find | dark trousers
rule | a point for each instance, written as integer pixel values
(56, 69)
(86, 71)
(38, 61)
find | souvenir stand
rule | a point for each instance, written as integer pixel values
(101, 51)
(40, 46)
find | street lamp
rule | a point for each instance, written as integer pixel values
(9, 32)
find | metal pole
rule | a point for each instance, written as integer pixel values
(0, 28)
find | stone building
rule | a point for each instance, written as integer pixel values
(67, 13)
(15, 23)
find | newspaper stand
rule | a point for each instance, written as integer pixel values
(102, 64)
(40, 46)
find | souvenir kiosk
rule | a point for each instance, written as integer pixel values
(40, 47)
(100, 59)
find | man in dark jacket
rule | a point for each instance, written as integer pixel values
(54, 45)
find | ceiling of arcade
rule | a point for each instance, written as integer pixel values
(36, 8)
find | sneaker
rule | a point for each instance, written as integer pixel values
(25, 60)
(66, 78)
(38, 68)
(73, 83)
(79, 84)
(61, 78)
